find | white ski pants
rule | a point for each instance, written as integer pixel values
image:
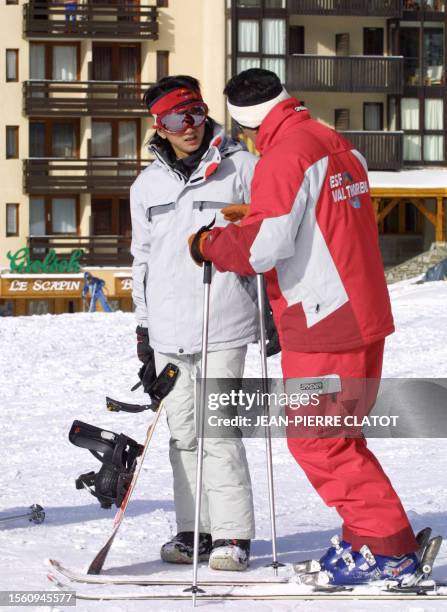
(227, 503)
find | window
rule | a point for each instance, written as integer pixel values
(63, 213)
(12, 1)
(53, 215)
(433, 54)
(163, 3)
(12, 219)
(115, 138)
(372, 41)
(54, 138)
(12, 65)
(412, 147)
(341, 119)
(6, 308)
(248, 36)
(409, 48)
(162, 64)
(373, 116)
(116, 62)
(342, 44)
(38, 307)
(434, 114)
(111, 216)
(12, 142)
(54, 61)
(296, 40)
(274, 36)
(410, 113)
(64, 63)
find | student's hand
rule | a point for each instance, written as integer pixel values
(144, 350)
(195, 242)
(235, 212)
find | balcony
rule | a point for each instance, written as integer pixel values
(369, 73)
(429, 8)
(363, 8)
(97, 175)
(73, 98)
(121, 20)
(98, 250)
(382, 150)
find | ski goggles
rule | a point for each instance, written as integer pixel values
(177, 121)
(179, 109)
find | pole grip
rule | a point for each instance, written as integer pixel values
(207, 273)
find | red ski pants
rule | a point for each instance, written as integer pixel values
(343, 471)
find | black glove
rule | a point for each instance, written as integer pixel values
(273, 345)
(144, 350)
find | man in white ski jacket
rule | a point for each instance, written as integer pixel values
(197, 172)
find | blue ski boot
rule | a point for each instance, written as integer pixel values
(363, 567)
(328, 560)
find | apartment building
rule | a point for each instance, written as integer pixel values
(75, 132)
(75, 129)
(375, 70)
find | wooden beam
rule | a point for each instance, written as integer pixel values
(402, 208)
(440, 220)
(424, 210)
(388, 208)
(376, 205)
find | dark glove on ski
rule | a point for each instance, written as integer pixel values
(273, 344)
(144, 350)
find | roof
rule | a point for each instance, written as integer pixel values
(416, 180)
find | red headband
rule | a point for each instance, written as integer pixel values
(174, 98)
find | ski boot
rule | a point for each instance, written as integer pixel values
(329, 559)
(181, 548)
(364, 567)
(232, 555)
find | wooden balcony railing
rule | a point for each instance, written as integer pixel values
(90, 19)
(382, 150)
(98, 250)
(334, 73)
(424, 6)
(95, 98)
(365, 8)
(60, 175)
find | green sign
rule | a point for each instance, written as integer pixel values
(21, 262)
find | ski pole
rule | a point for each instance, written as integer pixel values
(268, 438)
(36, 514)
(200, 421)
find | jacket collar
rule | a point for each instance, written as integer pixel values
(281, 118)
(220, 146)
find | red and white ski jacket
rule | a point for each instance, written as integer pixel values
(311, 230)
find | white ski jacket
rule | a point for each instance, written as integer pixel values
(167, 285)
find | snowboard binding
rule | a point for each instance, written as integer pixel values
(117, 453)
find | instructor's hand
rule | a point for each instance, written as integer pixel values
(235, 212)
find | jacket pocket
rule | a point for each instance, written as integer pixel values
(159, 210)
(209, 205)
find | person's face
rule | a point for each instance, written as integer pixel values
(185, 143)
(250, 133)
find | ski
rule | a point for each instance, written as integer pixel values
(146, 581)
(35, 514)
(351, 595)
(98, 562)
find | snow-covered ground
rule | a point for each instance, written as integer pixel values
(55, 369)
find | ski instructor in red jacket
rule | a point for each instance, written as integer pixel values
(310, 229)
